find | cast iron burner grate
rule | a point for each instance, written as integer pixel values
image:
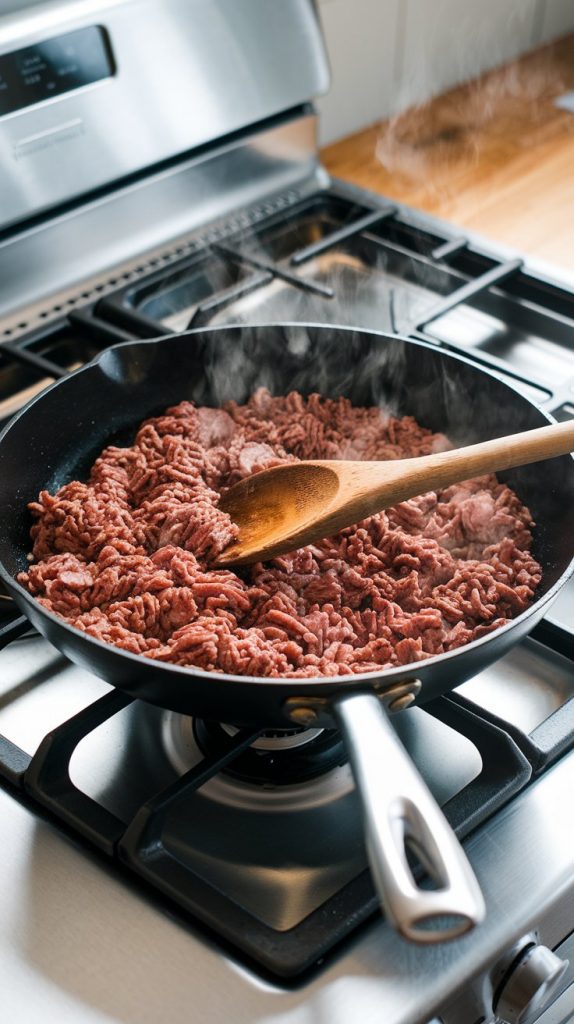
(144, 844)
(491, 309)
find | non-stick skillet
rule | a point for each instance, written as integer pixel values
(58, 435)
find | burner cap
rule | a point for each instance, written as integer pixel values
(278, 756)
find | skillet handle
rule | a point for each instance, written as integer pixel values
(398, 808)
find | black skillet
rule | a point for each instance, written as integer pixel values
(57, 436)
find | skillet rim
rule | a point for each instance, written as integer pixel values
(336, 684)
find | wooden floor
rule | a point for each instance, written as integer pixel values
(495, 156)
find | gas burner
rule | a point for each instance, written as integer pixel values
(277, 739)
(278, 757)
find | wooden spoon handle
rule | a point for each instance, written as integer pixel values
(444, 468)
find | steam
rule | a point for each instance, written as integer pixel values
(430, 145)
(395, 375)
(375, 286)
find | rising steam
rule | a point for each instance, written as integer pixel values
(433, 144)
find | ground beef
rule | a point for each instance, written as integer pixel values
(126, 555)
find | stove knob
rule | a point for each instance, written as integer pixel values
(530, 987)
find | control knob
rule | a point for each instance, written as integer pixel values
(533, 981)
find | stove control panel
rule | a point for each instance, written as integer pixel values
(53, 67)
(530, 977)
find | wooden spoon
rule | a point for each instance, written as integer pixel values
(278, 510)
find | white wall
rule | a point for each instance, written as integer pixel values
(387, 54)
(557, 18)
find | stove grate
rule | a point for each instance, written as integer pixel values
(469, 291)
(336, 237)
(143, 843)
(555, 735)
(276, 271)
(449, 249)
(15, 627)
(339, 220)
(25, 355)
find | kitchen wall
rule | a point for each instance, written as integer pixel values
(388, 54)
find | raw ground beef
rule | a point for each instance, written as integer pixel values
(126, 556)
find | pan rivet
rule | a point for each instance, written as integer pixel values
(303, 716)
(400, 703)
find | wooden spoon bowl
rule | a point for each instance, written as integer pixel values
(281, 509)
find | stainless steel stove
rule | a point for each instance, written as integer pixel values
(161, 172)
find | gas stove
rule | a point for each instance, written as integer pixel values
(230, 864)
